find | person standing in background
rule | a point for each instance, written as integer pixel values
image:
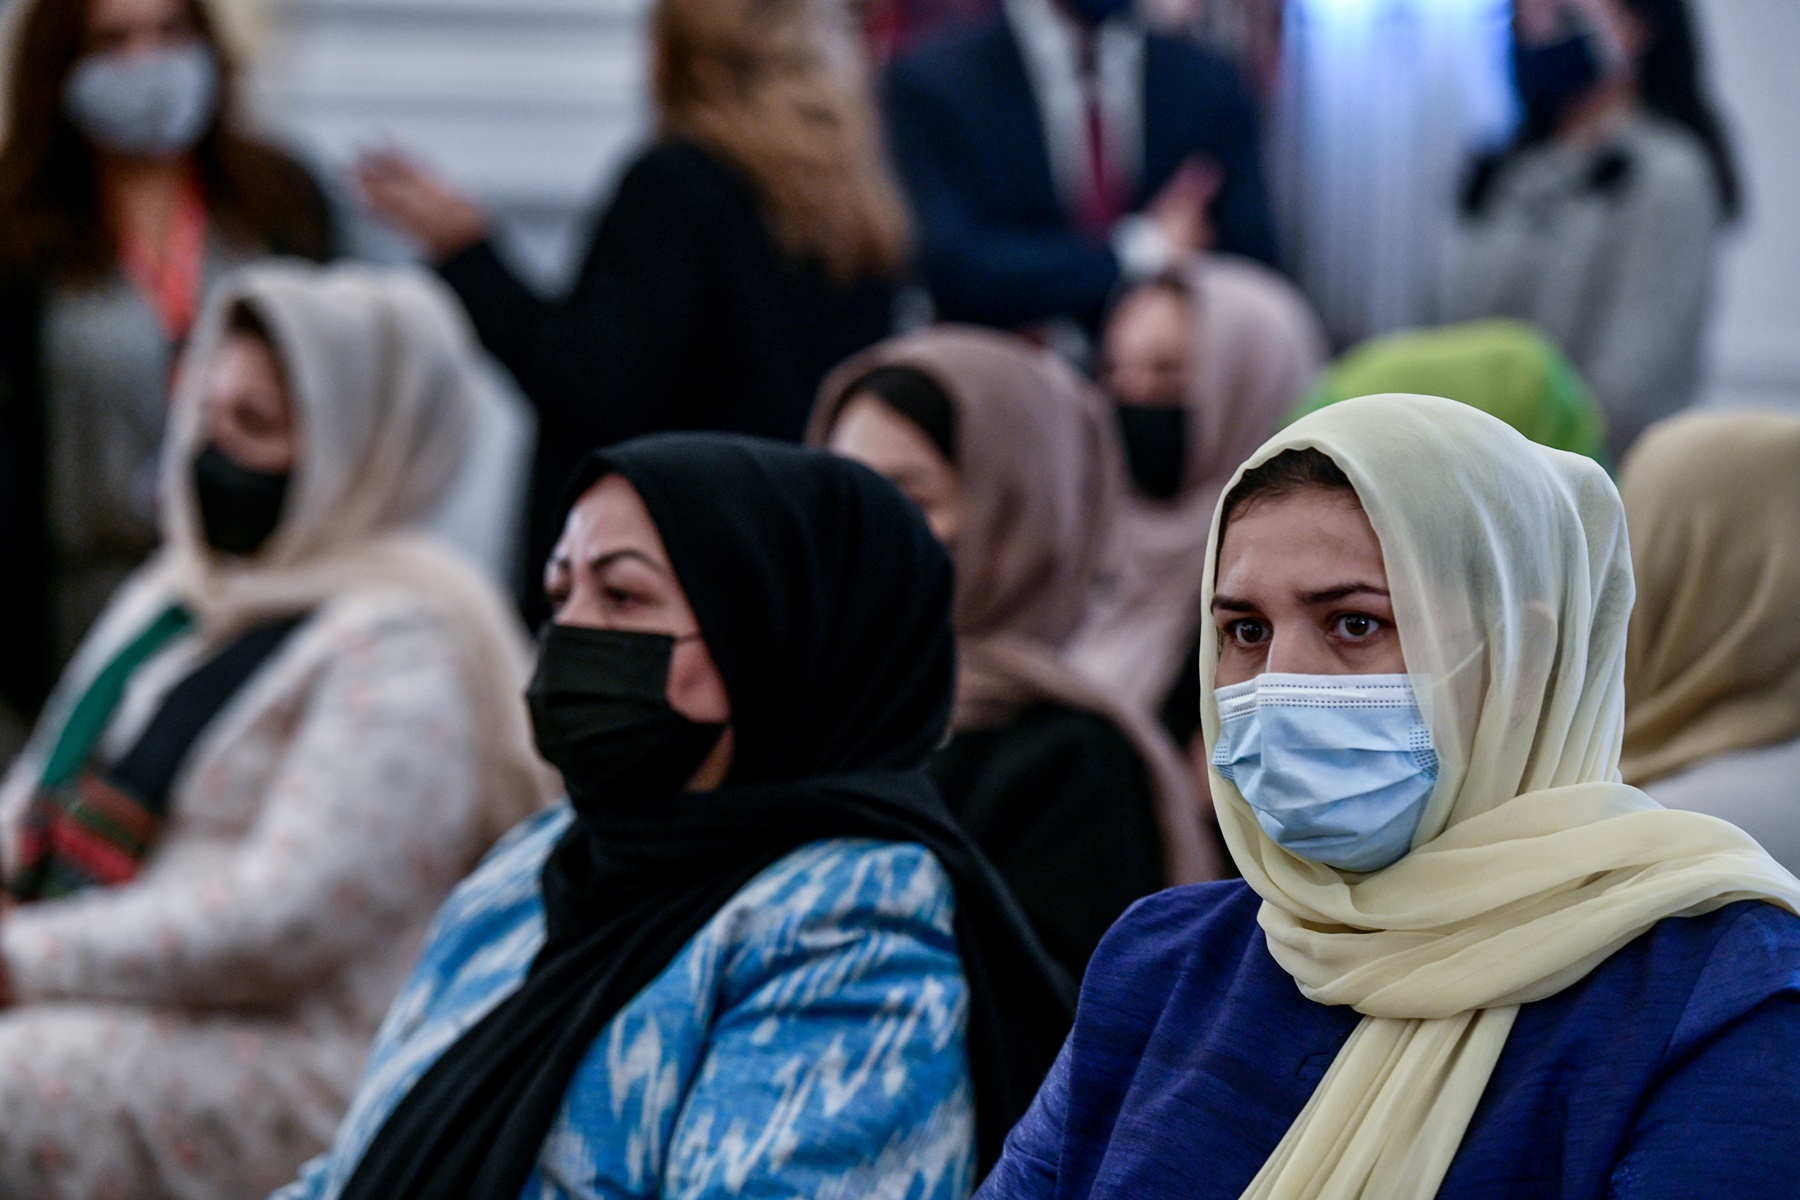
(1062, 149)
(126, 187)
(754, 245)
(1600, 223)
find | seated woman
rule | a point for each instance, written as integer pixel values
(1201, 367)
(1505, 368)
(1712, 679)
(288, 737)
(1081, 801)
(1464, 961)
(753, 955)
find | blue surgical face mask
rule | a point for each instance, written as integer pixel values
(1338, 768)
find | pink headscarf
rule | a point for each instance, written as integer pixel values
(1041, 475)
(1259, 348)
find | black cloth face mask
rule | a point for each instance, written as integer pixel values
(600, 715)
(1156, 447)
(239, 508)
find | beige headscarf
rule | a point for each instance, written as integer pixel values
(1714, 662)
(1512, 588)
(1040, 472)
(1258, 349)
(380, 364)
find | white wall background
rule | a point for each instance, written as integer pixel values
(1755, 46)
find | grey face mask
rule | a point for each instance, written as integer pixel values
(155, 104)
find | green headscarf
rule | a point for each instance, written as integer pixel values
(1504, 368)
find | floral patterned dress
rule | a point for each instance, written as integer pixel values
(808, 1041)
(197, 1033)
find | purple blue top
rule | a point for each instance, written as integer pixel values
(1673, 1070)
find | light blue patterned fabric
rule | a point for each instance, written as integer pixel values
(808, 1041)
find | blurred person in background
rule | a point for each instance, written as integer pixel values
(1201, 366)
(755, 244)
(1505, 368)
(127, 186)
(287, 738)
(1061, 149)
(1712, 682)
(1082, 801)
(753, 955)
(1600, 224)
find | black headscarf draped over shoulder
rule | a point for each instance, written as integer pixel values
(825, 602)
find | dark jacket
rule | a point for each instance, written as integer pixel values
(998, 245)
(686, 315)
(1062, 804)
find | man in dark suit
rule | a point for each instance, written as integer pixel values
(1063, 149)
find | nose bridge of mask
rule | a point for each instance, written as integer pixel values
(599, 662)
(1345, 713)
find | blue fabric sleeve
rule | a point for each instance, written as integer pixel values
(1027, 1167)
(1725, 1119)
(833, 1040)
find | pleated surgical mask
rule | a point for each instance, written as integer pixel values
(154, 104)
(1337, 768)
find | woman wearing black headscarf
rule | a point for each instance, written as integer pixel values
(754, 953)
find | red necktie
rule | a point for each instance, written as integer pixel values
(1104, 202)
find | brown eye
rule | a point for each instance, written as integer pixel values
(1356, 627)
(1248, 632)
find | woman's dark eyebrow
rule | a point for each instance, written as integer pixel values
(607, 560)
(1232, 604)
(1343, 590)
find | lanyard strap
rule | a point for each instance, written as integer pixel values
(93, 712)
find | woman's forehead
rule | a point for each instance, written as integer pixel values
(610, 517)
(1295, 540)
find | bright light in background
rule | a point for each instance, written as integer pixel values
(1382, 105)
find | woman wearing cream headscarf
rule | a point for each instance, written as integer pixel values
(291, 733)
(1203, 367)
(1712, 678)
(1082, 802)
(1464, 960)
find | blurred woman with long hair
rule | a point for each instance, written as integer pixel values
(1600, 223)
(126, 187)
(751, 247)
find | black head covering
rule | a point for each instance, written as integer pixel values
(825, 602)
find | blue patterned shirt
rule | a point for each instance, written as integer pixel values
(808, 1041)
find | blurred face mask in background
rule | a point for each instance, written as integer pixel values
(1552, 76)
(239, 508)
(1095, 12)
(1338, 768)
(153, 104)
(1156, 447)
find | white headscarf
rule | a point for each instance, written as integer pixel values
(1257, 349)
(380, 365)
(1512, 588)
